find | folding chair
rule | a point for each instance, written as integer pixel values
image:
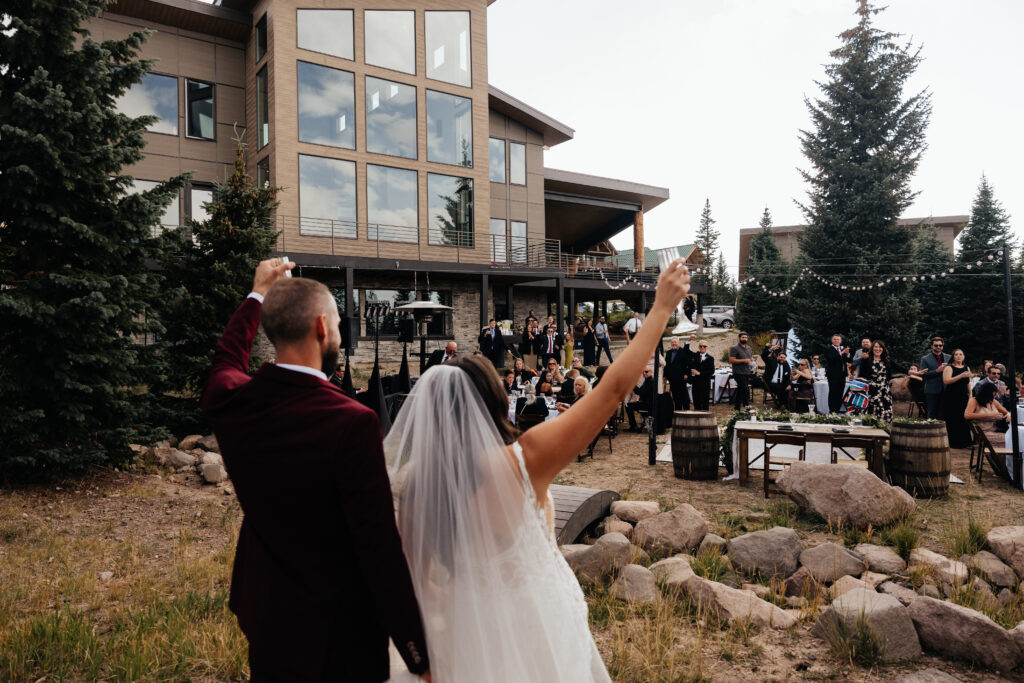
(609, 431)
(773, 439)
(996, 456)
(728, 391)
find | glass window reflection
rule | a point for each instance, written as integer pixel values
(449, 129)
(390, 118)
(263, 172)
(327, 197)
(517, 241)
(170, 217)
(261, 37)
(154, 95)
(450, 207)
(448, 48)
(392, 204)
(390, 37)
(262, 110)
(499, 251)
(199, 110)
(325, 30)
(397, 297)
(516, 163)
(497, 148)
(199, 197)
(326, 106)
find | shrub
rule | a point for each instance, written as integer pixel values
(902, 536)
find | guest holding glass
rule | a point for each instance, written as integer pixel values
(932, 365)
(803, 386)
(817, 371)
(876, 368)
(524, 375)
(956, 377)
(985, 409)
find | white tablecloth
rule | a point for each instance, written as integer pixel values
(1009, 444)
(721, 378)
(821, 396)
(552, 411)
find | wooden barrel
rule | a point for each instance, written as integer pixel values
(919, 459)
(694, 445)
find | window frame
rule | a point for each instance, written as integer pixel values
(260, 31)
(327, 9)
(188, 110)
(264, 99)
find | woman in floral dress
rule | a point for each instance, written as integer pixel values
(877, 370)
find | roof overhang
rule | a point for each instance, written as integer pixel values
(554, 132)
(956, 222)
(583, 210)
(230, 19)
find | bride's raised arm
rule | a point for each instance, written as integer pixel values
(551, 445)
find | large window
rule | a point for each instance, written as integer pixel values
(437, 326)
(199, 109)
(390, 118)
(261, 37)
(499, 251)
(171, 216)
(263, 172)
(326, 30)
(157, 96)
(327, 197)
(391, 39)
(392, 204)
(326, 106)
(516, 163)
(497, 148)
(448, 50)
(449, 129)
(450, 206)
(262, 110)
(198, 198)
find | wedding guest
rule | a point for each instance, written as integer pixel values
(632, 326)
(544, 389)
(524, 374)
(589, 343)
(741, 358)
(956, 377)
(817, 371)
(550, 347)
(584, 371)
(492, 343)
(599, 373)
(530, 342)
(580, 389)
(931, 366)
(677, 372)
(992, 377)
(835, 361)
(603, 341)
(555, 375)
(569, 348)
(438, 356)
(509, 380)
(567, 390)
(777, 377)
(985, 366)
(915, 384)
(985, 409)
(803, 385)
(877, 370)
(531, 404)
(860, 354)
(702, 371)
(645, 398)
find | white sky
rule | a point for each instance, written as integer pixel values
(705, 97)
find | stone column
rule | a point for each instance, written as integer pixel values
(638, 241)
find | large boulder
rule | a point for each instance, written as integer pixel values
(611, 551)
(955, 631)
(673, 571)
(886, 618)
(715, 542)
(948, 572)
(674, 531)
(775, 552)
(992, 567)
(845, 493)
(209, 442)
(732, 604)
(901, 593)
(211, 459)
(213, 473)
(845, 584)
(1007, 542)
(635, 584)
(614, 525)
(189, 442)
(880, 558)
(828, 561)
(633, 511)
(800, 583)
(172, 457)
(930, 675)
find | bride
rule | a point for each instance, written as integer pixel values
(498, 600)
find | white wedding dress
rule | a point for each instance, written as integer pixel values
(499, 602)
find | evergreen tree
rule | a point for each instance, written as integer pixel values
(757, 310)
(707, 241)
(931, 257)
(979, 323)
(864, 147)
(74, 244)
(723, 286)
(208, 268)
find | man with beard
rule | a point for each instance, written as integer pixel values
(318, 538)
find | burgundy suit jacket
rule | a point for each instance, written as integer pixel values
(320, 581)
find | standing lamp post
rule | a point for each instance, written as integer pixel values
(423, 312)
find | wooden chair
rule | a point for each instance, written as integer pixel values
(526, 420)
(609, 431)
(773, 439)
(996, 456)
(840, 442)
(728, 391)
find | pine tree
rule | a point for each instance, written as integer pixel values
(931, 257)
(723, 287)
(864, 147)
(74, 283)
(979, 324)
(707, 241)
(208, 268)
(758, 310)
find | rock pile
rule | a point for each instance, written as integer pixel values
(194, 452)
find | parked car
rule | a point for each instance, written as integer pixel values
(720, 316)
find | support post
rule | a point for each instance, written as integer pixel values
(643, 302)
(652, 445)
(349, 282)
(1012, 369)
(572, 306)
(485, 294)
(700, 315)
(560, 312)
(638, 241)
(508, 303)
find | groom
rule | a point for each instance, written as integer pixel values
(319, 581)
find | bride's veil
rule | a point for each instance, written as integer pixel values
(463, 516)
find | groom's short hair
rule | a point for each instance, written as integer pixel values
(290, 307)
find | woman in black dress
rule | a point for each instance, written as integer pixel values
(876, 368)
(957, 380)
(589, 343)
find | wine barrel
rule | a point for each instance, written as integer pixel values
(695, 445)
(919, 460)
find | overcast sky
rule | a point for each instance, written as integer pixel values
(705, 97)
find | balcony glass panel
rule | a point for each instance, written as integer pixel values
(391, 39)
(390, 118)
(327, 113)
(450, 206)
(327, 197)
(325, 30)
(392, 200)
(449, 129)
(448, 48)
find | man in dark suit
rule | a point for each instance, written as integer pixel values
(932, 365)
(777, 377)
(835, 359)
(318, 539)
(702, 371)
(645, 398)
(677, 372)
(492, 344)
(438, 356)
(550, 346)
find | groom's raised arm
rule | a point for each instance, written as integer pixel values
(370, 513)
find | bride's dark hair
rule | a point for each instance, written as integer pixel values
(494, 395)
